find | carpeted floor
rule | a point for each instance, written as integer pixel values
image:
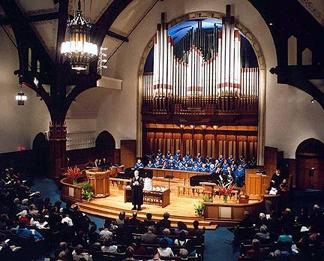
(218, 243)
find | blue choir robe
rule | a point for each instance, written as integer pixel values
(230, 161)
(199, 163)
(187, 157)
(203, 169)
(177, 156)
(195, 168)
(188, 168)
(150, 165)
(176, 163)
(212, 169)
(157, 164)
(221, 160)
(180, 166)
(168, 155)
(139, 165)
(224, 168)
(239, 172)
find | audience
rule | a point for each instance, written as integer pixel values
(32, 228)
(282, 236)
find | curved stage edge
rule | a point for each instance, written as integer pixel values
(180, 209)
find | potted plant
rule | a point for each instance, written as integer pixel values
(87, 192)
(199, 209)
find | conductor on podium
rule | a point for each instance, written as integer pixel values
(137, 185)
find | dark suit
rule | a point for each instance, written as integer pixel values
(137, 191)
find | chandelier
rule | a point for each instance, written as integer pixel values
(79, 50)
(21, 97)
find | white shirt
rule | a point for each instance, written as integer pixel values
(105, 233)
(67, 220)
(165, 252)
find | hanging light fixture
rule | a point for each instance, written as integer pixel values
(79, 50)
(21, 97)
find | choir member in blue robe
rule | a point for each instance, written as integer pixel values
(165, 165)
(157, 164)
(159, 153)
(170, 160)
(203, 168)
(195, 168)
(220, 159)
(139, 165)
(212, 168)
(177, 155)
(163, 159)
(191, 162)
(217, 164)
(171, 165)
(239, 174)
(168, 155)
(180, 166)
(208, 162)
(176, 163)
(187, 157)
(252, 163)
(199, 162)
(230, 160)
(187, 167)
(225, 166)
(150, 164)
(198, 157)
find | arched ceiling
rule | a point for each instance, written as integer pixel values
(43, 19)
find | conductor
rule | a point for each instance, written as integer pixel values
(137, 185)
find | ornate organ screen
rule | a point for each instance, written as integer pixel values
(201, 72)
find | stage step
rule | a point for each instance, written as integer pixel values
(113, 212)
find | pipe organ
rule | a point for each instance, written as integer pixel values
(201, 94)
(200, 74)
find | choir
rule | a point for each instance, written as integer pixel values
(222, 167)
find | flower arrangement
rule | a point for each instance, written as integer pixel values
(225, 190)
(87, 192)
(75, 175)
(199, 209)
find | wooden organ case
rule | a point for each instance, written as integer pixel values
(201, 96)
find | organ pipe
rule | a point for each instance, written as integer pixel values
(203, 69)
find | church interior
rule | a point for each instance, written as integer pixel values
(161, 130)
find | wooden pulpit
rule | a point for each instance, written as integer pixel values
(255, 184)
(99, 181)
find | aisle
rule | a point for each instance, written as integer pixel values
(218, 245)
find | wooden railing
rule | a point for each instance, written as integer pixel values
(70, 192)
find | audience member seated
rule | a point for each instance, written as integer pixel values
(149, 237)
(164, 249)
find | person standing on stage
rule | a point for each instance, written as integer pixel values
(137, 185)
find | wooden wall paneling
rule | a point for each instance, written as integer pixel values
(291, 168)
(270, 159)
(308, 177)
(128, 152)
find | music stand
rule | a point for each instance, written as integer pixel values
(169, 177)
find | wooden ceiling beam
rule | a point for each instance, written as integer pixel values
(33, 18)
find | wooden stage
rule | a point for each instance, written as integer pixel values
(181, 206)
